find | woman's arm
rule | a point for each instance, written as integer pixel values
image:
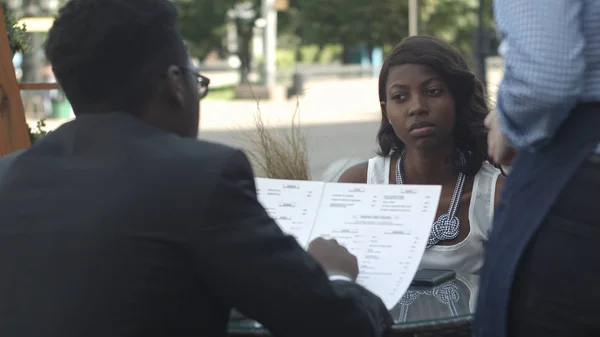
(498, 191)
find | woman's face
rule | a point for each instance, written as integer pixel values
(419, 106)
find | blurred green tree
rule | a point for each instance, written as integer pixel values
(343, 22)
(203, 25)
(385, 22)
(351, 22)
(455, 21)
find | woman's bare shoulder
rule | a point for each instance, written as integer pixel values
(356, 174)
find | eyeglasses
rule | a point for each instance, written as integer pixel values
(203, 82)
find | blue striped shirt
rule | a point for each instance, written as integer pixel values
(551, 51)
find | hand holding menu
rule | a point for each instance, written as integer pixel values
(385, 226)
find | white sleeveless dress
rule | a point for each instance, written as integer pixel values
(467, 255)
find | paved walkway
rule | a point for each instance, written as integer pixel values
(324, 102)
(331, 147)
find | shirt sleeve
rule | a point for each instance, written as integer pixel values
(340, 278)
(542, 47)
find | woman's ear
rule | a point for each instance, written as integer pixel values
(383, 108)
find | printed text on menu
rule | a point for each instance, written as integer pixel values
(385, 226)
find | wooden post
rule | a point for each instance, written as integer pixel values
(13, 126)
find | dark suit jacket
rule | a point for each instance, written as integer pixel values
(111, 227)
(535, 183)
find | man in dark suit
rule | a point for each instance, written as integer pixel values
(121, 223)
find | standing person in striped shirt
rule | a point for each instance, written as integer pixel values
(539, 276)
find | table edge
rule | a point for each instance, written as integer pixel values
(441, 325)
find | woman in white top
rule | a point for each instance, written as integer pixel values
(432, 132)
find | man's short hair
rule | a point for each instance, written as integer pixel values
(111, 52)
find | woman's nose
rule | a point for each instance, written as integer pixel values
(418, 106)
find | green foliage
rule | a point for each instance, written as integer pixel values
(345, 23)
(17, 37)
(202, 23)
(19, 42)
(203, 26)
(350, 22)
(385, 22)
(328, 54)
(455, 21)
(286, 58)
(38, 132)
(223, 93)
(288, 22)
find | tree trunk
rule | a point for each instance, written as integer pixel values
(245, 32)
(31, 63)
(346, 48)
(317, 56)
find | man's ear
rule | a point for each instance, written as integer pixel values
(175, 85)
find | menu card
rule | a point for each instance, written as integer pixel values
(385, 226)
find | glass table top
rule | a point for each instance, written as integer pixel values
(449, 301)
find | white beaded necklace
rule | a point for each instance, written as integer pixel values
(447, 226)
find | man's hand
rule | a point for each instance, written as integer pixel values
(334, 258)
(498, 148)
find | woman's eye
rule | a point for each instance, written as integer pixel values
(433, 91)
(399, 97)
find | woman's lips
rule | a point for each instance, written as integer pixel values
(422, 131)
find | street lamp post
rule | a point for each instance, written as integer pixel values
(269, 13)
(413, 17)
(481, 45)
